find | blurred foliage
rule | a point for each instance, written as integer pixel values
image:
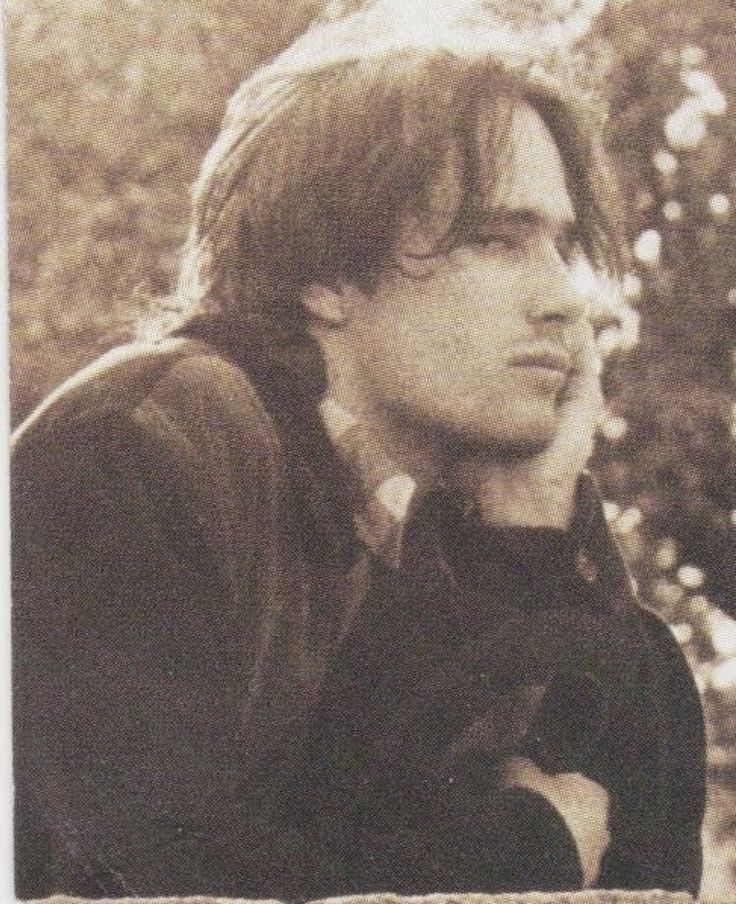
(676, 150)
(111, 107)
(112, 104)
(667, 458)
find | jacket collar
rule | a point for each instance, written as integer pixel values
(352, 488)
(388, 496)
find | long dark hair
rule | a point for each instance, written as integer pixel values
(319, 162)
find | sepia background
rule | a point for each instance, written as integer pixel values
(112, 104)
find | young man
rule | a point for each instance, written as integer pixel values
(313, 596)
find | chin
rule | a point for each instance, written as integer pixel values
(517, 440)
(515, 435)
(521, 432)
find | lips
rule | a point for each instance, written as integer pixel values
(551, 358)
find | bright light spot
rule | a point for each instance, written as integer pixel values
(698, 81)
(719, 205)
(723, 675)
(648, 247)
(732, 297)
(629, 520)
(586, 280)
(608, 341)
(691, 55)
(395, 494)
(701, 684)
(337, 420)
(614, 428)
(683, 633)
(629, 328)
(699, 604)
(515, 33)
(715, 104)
(670, 594)
(722, 632)
(632, 286)
(672, 211)
(685, 128)
(703, 85)
(611, 511)
(691, 577)
(667, 555)
(666, 162)
(616, 322)
(733, 517)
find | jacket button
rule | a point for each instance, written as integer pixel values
(586, 567)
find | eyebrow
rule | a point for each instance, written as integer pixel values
(529, 219)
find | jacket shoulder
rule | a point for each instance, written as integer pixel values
(184, 382)
(169, 440)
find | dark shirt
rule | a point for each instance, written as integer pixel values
(445, 674)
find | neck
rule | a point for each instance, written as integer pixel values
(411, 447)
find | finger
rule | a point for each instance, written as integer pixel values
(584, 384)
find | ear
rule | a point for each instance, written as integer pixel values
(330, 306)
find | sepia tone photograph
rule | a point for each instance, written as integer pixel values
(373, 454)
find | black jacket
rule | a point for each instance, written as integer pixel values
(184, 574)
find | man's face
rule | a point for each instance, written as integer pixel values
(479, 348)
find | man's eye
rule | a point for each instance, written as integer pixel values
(496, 239)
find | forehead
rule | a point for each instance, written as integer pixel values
(532, 176)
(524, 173)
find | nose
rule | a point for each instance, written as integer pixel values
(556, 298)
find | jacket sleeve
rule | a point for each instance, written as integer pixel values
(515, 841)
(683, 757)
(134, 626)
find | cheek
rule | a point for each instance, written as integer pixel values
(450, 327)
(434, 349)
(445, 370)
(446, 335)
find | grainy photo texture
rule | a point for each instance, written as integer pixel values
(373, 499)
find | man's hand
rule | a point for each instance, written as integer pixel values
(539, 491)
(580, 801)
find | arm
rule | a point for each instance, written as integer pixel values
(514, 840)
(582, 803)
(133, 649)
(530, 502)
